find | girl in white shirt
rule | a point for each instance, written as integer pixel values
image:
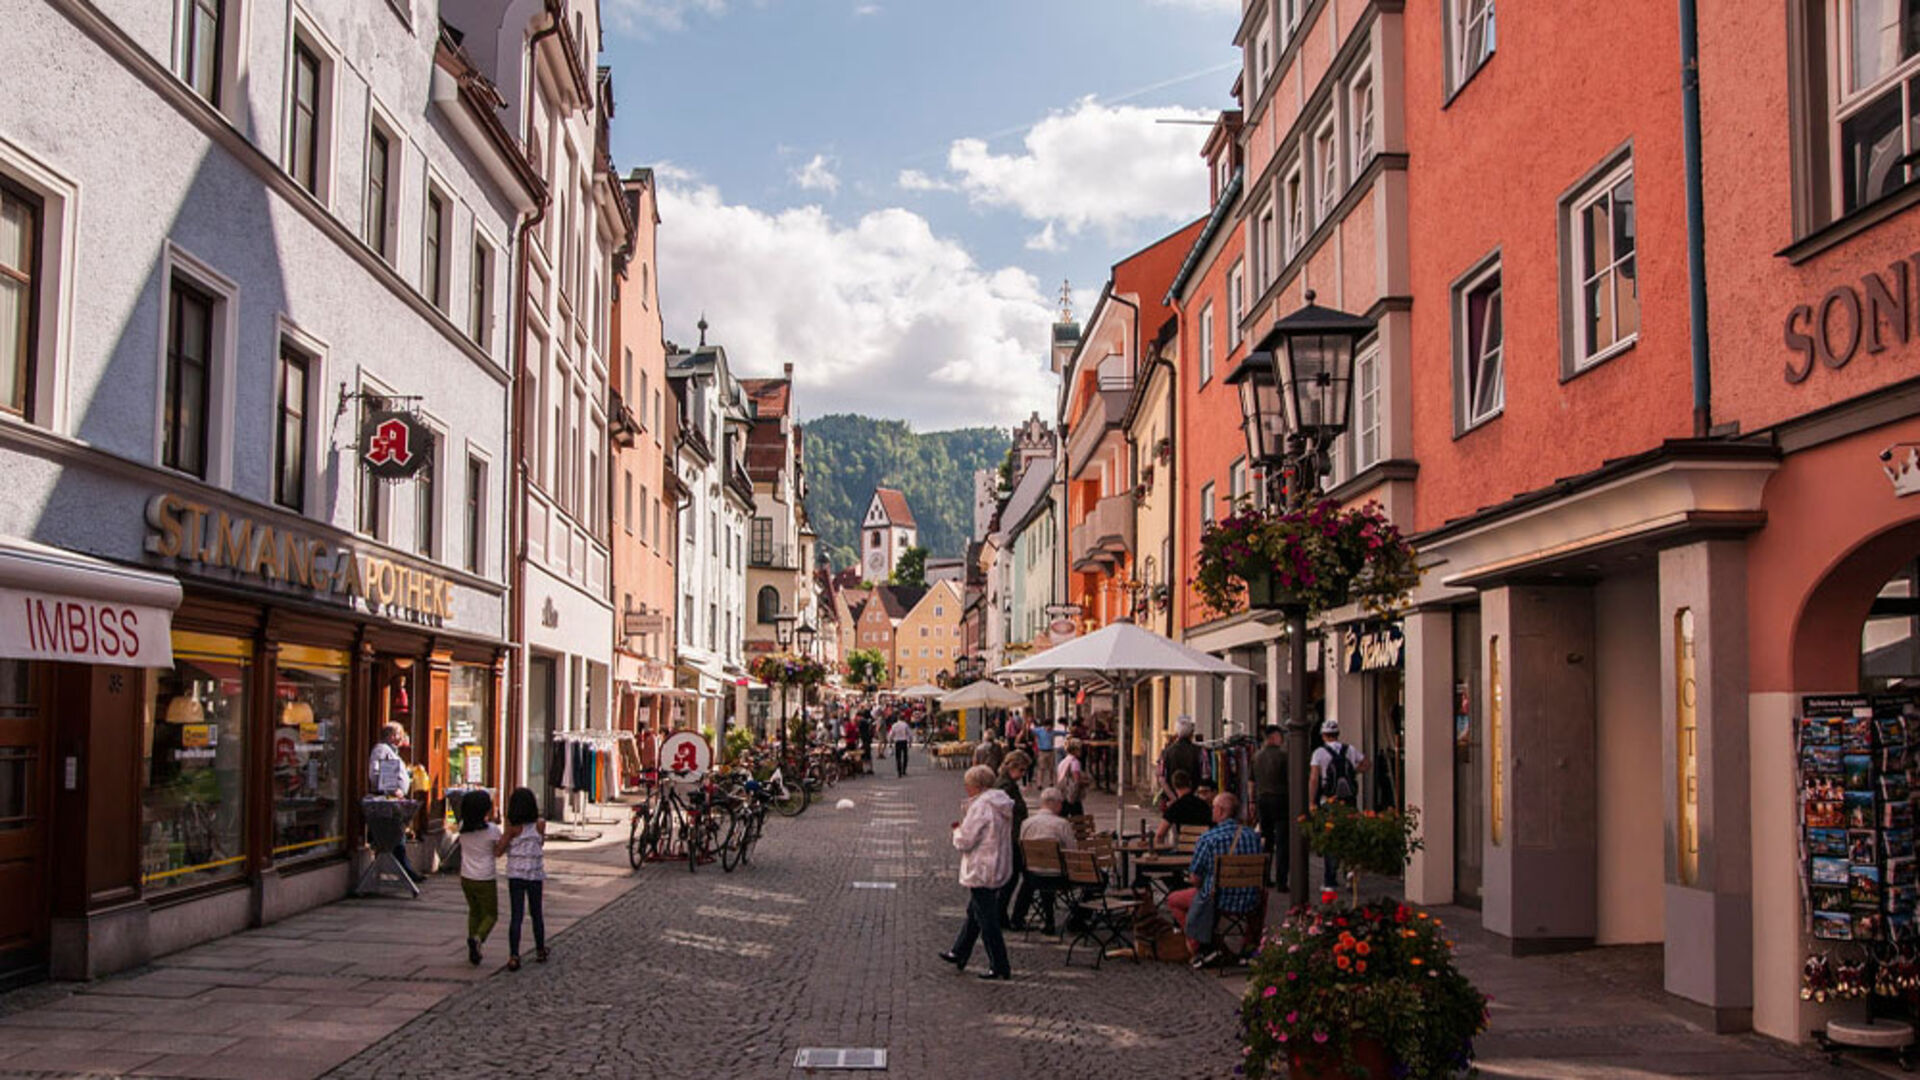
(478, 839)
(525, 846)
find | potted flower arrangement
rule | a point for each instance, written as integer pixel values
(1360, 990)
(1320, 557)
(786, 669)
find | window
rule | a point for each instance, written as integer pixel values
(380, 172)
(1470, 33)
(189, 378)
(1360, 114)
(373, 493)
(1206, 343)
(20, 270)
(1296, 206)
(1326, 158)
(290, 444)
(480, 293)
(1366, 409)
(476, 514)
(425, 508)
(1263, 63)
(200, 39)
(768, 606)
(304, 156)
(1206, 506)
(659, 416)
(1236, 302)
(1605, 287)
(1877, 118)
(763, 540)
(1236, 482)
(1262, 242)
(1478, 337)
(626, 488)
(433, 259)
(641, 400)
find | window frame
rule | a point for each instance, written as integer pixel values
(1205, 359)
(1207, 499)
(1363, 117)
(304, 37)
(380, 231)
(1236, 301)
(1466, 378)
(373, 498)
(177, 264)
(429, 531)
(186, 39)
(1846, 104)
(1293, 200)
(1457, 15)
(474, 511)
(32, 279)
(1326, 162)
(174, 444)
(51, 337)
(1367, 356)
(436, 246)
(480, 291)
(1599, 183)
(313, 353)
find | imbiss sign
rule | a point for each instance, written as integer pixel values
(193, 533)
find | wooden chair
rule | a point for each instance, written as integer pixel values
(1082, 825)
(1239, 872)
(1105, 921)
(1044, 862)
(1186, 836)
(1102, 848)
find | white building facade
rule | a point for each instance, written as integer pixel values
(714, 525)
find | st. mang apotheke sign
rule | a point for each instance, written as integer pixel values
(213, 539)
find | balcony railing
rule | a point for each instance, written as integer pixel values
(774, 557)
(1102, 416)
(1106, 534)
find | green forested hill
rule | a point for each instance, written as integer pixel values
(848, 456)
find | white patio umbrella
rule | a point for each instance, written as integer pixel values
(1123, 654)
(922, 691)
(984, 694)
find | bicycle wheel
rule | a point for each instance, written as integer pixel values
(756, 823)
(790, 799)
(733, 844)
(637, 839)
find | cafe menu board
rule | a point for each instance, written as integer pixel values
(1857, 817)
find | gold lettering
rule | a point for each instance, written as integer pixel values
(297, 558)
(235, 539)
(266, 556)
(347, 577)
(389, 582)
(446, 600)
(322, 578)
(198, 550)
(163, 517)
(416, 582)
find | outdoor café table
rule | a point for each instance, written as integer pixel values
(1161, 869)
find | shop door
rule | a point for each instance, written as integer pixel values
(540, 726)
(1469, 750)
(24, 792)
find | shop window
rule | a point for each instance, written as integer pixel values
(193, 779)
(469, 725)
(1496, 746)
(19, 795)
(310, 726)
(1687, 750)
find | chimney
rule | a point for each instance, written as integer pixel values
(786, 371)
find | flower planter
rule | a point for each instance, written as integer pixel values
(1370, 1059)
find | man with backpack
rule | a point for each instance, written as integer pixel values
(1335, 778)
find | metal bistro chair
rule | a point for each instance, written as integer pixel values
(1044, 862)
(1104, 921)
(1238, 872)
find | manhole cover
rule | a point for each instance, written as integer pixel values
(831, 1057)
(874, 885)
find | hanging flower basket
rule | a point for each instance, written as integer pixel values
(785, 669)
(1320, 557)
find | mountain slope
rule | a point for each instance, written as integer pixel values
(848, 456)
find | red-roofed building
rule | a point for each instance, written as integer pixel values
(886, 533)
(779, 540)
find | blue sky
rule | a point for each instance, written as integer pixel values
(888, 193)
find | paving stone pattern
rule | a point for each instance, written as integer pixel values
(718, 975)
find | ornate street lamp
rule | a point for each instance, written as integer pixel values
(1296, 398)
(783, 636)
(803, 635)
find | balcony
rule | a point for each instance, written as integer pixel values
(1106, 535)
(1102, 417)
(774, 557)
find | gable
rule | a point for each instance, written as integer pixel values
(876, 511)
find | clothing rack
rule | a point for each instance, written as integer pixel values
(586, 765)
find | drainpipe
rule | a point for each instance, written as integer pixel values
(1696, 225)
(517, 512)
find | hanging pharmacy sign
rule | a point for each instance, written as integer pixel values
(395, 445)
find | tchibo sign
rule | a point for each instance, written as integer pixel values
(40, 626)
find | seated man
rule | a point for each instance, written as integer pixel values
(1186, 808)
(1196, 907)
(1046, 824)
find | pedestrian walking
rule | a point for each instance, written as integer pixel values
(1270, 800)
(1071, 779)
(1043, 752)
(1335, 777)
(387, 774)
(1013, 772)
(524, 843)
(866, 740)
(984, 838)
(479, 837)
(902, 738)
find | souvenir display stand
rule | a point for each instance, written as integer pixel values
(387, 821)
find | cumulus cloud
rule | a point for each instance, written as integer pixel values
(817, 175)
(1111, 167)
(880, 315)
(915, 180)
(646, 16)
(875, 9)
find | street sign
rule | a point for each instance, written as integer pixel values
(686, 755)
(635, 623)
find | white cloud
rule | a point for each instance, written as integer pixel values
(1110, 167)
(645, 16)
(817, 175)
(915, 180)
(1045, 240)
(875, 9)
(880, 316)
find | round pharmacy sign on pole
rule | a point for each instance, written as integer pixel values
(685, 755)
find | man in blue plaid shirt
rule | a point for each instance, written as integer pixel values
(1197, 907)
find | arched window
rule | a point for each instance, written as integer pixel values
(769, 603)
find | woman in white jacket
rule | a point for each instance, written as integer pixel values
(984, 838)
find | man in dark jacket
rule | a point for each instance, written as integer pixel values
(1181, 755)
(1013, 770)
(1270, 798)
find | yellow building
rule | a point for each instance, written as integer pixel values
(1149, 423)
(926, 644)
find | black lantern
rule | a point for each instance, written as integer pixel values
(1261, 416)
(803, 636)
(783, 629)
(1314, 348)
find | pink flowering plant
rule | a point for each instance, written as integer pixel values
(786, 669)
(1331, 979)
(1320, 556)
